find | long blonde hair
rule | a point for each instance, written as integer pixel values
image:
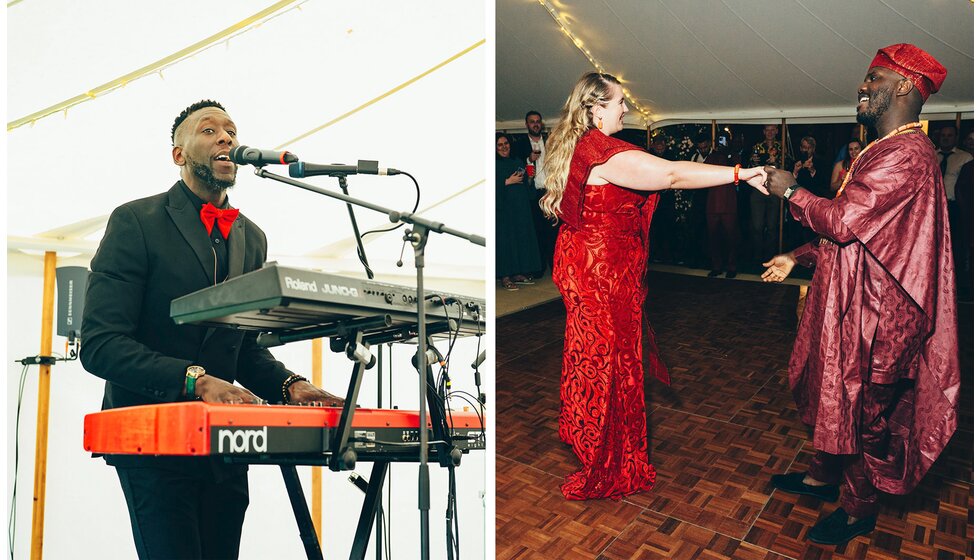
(591, 89)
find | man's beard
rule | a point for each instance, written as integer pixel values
(206, 175)
(879, 101)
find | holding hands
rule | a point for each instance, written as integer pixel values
(778, 180)
(755, 176)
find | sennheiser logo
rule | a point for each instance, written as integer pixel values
(71, 294)
(243, 441)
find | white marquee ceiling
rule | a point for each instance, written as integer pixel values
(381, 75)
(730, 60)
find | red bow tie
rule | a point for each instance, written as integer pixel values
(226, 217)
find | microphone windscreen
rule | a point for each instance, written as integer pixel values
(297, 170)
(237, 153)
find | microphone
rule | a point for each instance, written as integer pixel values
(302, 169)
(243, 155)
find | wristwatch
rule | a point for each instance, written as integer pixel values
(789, 191)
(193, 374)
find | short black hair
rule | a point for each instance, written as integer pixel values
(529, 113)
(187, 112)
(702, 137)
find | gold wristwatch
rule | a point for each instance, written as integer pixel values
(193, 374)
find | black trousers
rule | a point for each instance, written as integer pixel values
(186, 516)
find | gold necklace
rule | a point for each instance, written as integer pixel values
(907, 128)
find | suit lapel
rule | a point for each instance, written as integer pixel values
(236, 248)
(188, 222)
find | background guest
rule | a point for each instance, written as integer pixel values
(517, 244)
(721, 216)
(530, 150)
(765, 209)
(841, 168)
(662, 230)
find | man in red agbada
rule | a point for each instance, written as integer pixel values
(875, 368)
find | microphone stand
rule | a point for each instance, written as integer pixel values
(418, 236)
(342, 179)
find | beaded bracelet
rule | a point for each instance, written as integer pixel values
(289, 381)
(737, 167)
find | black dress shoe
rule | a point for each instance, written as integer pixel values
(835, 530)
(793, 483)
(731, 274)
(714, 273)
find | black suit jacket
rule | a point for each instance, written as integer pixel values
(154, 250)
(521, 148)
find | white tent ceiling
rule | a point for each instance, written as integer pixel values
(360, 68)
(730, 60)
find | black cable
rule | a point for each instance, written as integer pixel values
(449, 519)
(387, 532)
(470, 399)
(452, 475)
(418, 198)
(388, 525)
(12, 520)
(381, 527)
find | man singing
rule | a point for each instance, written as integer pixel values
(875, 367)
(154, 250)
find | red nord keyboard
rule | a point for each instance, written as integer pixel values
(265, 431)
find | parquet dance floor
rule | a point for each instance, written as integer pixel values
(727, 423)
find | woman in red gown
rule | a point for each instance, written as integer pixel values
(604, 191)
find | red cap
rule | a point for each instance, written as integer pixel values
(915, 64)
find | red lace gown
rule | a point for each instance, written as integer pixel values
(600, 269)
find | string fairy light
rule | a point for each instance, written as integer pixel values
(580, 45)
(223, 36)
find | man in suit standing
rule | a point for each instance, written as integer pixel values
(154, 250)
(529, 149)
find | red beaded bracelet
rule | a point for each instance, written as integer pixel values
(737, 167)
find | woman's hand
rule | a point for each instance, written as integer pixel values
(754, 176)
(515, 178)
(779, 267)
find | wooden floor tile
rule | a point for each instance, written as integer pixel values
(716, 435)
(534, 518)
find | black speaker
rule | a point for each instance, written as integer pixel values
(71, 282)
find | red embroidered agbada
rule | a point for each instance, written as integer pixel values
(881, 308)
(600, 270)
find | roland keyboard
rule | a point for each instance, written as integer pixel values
(278, 298)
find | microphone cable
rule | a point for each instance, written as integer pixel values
(12, 520)
(418, 199)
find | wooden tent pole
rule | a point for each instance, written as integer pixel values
(43, 399)
(782, 201)
(714, 131)
(317, 505)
